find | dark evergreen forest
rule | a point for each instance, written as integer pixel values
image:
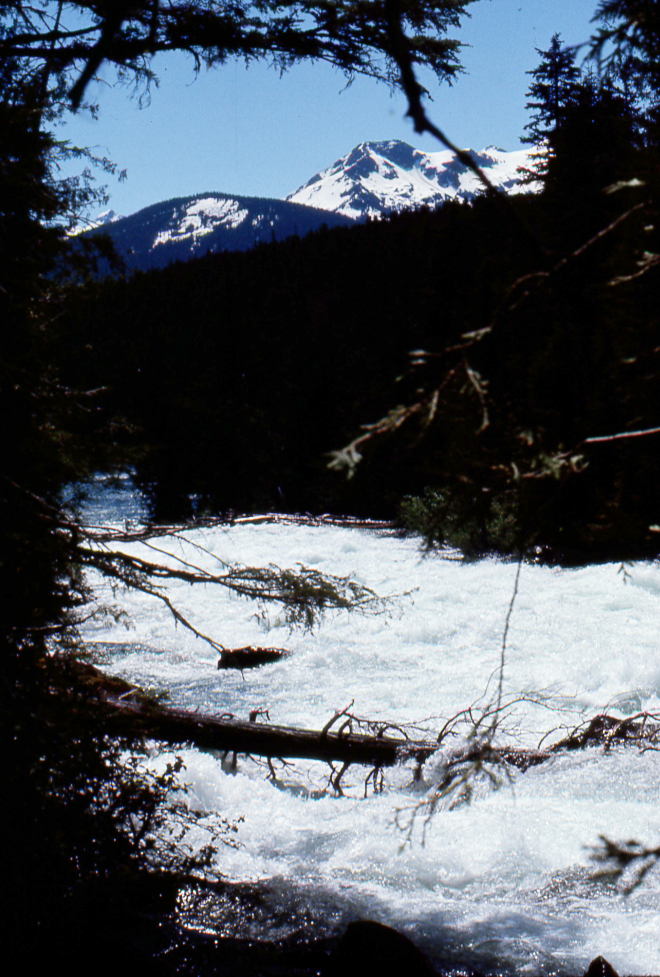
(520, 328)
(236, 373)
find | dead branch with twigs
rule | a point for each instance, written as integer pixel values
(477, 761)
(625, 863)
(305, 594)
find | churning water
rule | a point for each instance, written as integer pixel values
(507, 877)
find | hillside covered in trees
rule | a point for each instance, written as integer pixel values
(526, 324)
(238, 372)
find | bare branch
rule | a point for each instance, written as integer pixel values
(401, 50)
(500, 682)
(621, 436)
(627, 863)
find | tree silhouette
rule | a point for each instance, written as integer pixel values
(72, 39)
(628, 42)
(556, 81)
(543, 419)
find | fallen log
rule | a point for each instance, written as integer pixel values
(226, 733)
(605, 730)
(133, 714)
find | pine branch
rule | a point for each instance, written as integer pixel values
(304, 593)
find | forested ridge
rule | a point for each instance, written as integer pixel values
(238, 373)
(262, 219)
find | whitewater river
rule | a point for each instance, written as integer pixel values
(505, 878)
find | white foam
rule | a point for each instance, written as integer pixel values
(508, 874)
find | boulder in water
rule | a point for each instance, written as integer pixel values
(372, 948)
(599, 967)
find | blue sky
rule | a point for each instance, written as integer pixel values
(252, 132)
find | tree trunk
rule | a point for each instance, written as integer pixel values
(177, 726)
(132, 714)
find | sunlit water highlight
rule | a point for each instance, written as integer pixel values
(507, 877)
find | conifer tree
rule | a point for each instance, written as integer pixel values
(583, 124)
(556, 82)
(75, 37)
(627, 44)
(560, 376)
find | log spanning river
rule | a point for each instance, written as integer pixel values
(506, 878)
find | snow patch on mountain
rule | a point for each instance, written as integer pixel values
(200, 217)
(381, 177)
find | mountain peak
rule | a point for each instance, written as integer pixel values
(380, 177)
(397, 152)
(107, 217)
(374, 178)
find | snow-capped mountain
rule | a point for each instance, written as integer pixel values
(374, 178)
(93, 224)
(107, 217)
(188, 227)
(380, 177)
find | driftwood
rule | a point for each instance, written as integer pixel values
(604, 730)
(229, 734)
(250, 657)
(134, 714)
(288, 519)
